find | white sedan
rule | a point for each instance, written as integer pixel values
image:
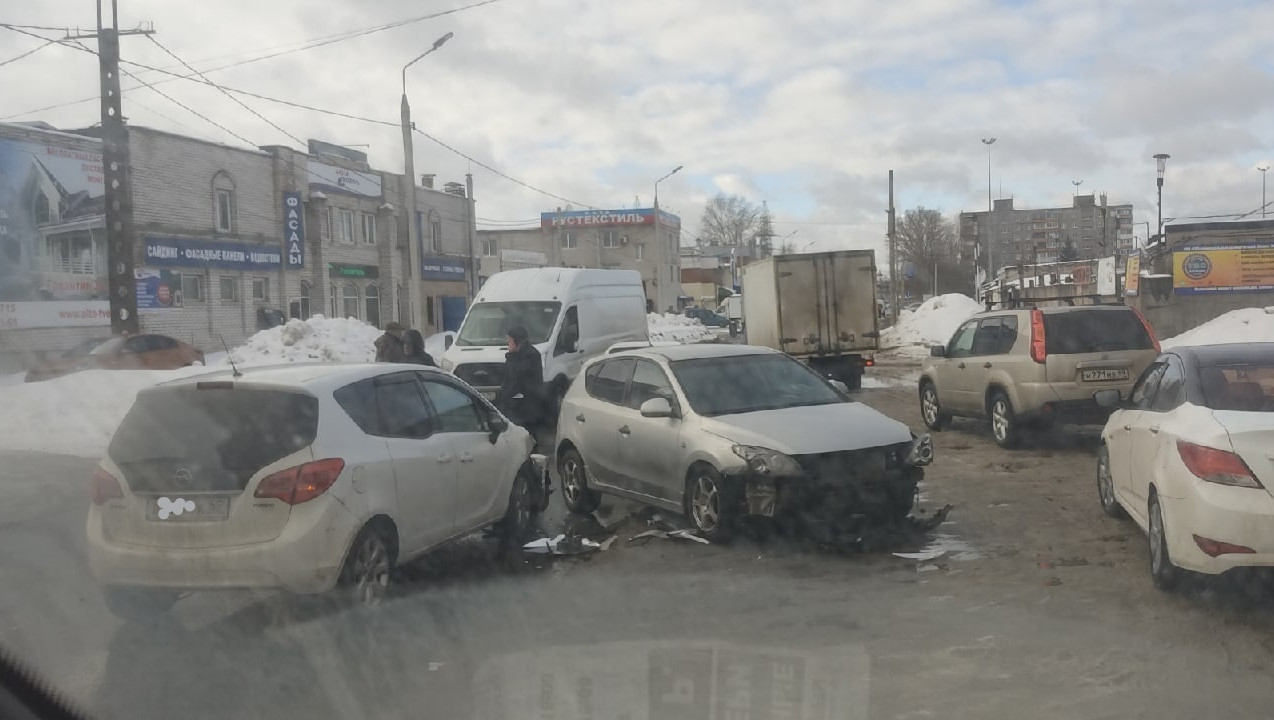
(302, 477)
(1190, 456)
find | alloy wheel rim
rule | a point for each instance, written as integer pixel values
(371, 571)
(930, 406)
(705, 504)
(1000, 420)
(570, 481)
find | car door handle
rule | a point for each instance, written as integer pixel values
(443, 459)
(625, 430)
(466, 458)
(1154, 429)
(961, 366)
(987, 366)
(579, 418)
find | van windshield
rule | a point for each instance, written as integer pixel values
(489, 323)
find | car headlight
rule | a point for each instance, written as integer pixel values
(448, 365)
(764, 461)
(920, 453)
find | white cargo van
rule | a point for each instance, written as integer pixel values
(571, 315)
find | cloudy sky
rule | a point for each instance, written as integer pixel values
(804, 104)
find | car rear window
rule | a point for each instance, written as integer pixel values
(1091, 331)
(209, 439)
(1246, 388)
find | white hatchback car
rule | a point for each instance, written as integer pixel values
(1190, 456)
(299, 477)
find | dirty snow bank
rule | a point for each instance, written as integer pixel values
(933, 323)
(677, 328)
(1244, 325)
(319, 339)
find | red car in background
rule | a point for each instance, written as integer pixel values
(132, 352)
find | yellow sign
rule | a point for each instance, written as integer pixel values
(1132, 274)
(1229, 268)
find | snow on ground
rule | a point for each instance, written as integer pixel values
(933, 323)
(1244, 325)
(678, 328)
(319, 339)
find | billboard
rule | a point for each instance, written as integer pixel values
(54, 313)
(196, 253)
(1223, 269)
(1132, 274)
(607, 218)
(1106, 283)
(157, 289)
(52, 243)
(330, 178)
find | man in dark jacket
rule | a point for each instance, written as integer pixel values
(521, 395)
(414, 349)
(389, 347)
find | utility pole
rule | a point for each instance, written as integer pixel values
(893, 261)
(121, 239)
(472, 230)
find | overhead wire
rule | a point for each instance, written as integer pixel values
(27, 53)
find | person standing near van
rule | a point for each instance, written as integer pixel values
(414, 349)
(389, 347)
(522, 390)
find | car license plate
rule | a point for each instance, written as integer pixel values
(1104, 375)
(178, 508)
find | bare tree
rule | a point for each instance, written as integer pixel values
(928, 241)
(729, 220)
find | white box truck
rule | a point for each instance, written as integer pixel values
(817, 307)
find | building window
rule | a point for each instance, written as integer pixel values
(490, 247)
(229, 289)
(225, 211)
(71, 253)
(610, 239)
(329, 224)
(369, 228)
(429, 310)
(260, 288)
(349, 300)
(331, 301)
(641, 251)
(569, 241)
(305, 300)
(371, 304)
(347, 225)
(435, 232)
(192, 287)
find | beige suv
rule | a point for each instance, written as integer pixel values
(1035, 367)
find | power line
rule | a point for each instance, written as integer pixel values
(241, 104)
(28, 53)
(34, 27)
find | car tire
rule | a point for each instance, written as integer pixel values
(523, 507)
(578, 496)
(1005, 427)
(1106, 485)
(368, 569)
(710, 506)
(140, 605)
(1163, 573)
(931, 409)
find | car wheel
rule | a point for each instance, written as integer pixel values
(931, 410)
(365, 577)
(576, 493)
(141, 605)
(1106, 485)
(1164, 574)
(709, 506)
(523, 507)
(1004, 423)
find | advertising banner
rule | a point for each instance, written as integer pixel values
(1132, 274)
(54, 314)
(293, 230)
(1223, 269)
(195, 253)
(1106, 284)
(330, 178)
(157, 289)
(436, 268)
(51, 200)
(584, 218)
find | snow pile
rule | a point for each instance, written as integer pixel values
(933, 323)
(1237, 326)
(677, 328)
(318, 339)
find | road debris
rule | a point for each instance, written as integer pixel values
(567, 545)
(644, 537)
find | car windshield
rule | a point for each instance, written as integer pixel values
(1090, 331)
(107, 347)
(1246, 388)
(748, 383)
(488, 323)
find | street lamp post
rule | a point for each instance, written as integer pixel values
(1077, 183)
(1161, 160)
(409, 172)
(990, 245)
(1263, 169)
(659, 241)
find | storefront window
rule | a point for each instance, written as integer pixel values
(371, 302)
(350, 300)
(305, 300)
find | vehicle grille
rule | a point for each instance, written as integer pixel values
(481, 374)
(868, 465)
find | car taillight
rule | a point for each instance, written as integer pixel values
(870, 362)
(1039, 353)
(1149, 331)
(104, 486)
(1216, 466)
(301, 483)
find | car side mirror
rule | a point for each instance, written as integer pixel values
(1111, 398)
(447, 342)
(841, 387)
(498, 427)
(938, 351)
(656, 408)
